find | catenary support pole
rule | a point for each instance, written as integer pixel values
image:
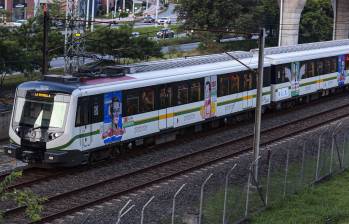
(258, 111)
(45, 43)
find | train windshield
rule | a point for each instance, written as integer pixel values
(40, 114)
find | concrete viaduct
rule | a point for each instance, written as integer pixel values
(291, 10)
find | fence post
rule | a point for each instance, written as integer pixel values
(202, 196)
(268, 177)
(343, 150)
(143, 208)
(226, 192)
(332, 143)
(174, 202)
(286, 172)
(302, 165)
(122, 213)
(318, 157)
(248, 192)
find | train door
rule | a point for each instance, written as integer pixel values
(83, 121)
(166, 107)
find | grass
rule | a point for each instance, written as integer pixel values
(325, 203)
(279, 197)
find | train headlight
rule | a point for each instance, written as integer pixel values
(53, 136)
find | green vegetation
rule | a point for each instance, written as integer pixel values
(21, 197)
(325, 203)
(120, 44)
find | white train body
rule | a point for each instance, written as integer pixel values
(61, 121)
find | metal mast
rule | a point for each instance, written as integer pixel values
(74, 43)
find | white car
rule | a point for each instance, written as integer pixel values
(20, 22)
(164, 20)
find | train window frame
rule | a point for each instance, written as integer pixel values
(127, 94)
(233, 77)
(346, 63)
(253, 80)
(142, 100)
(82, 102)
(282, 78)
(167, 97)
(266, 77)
(334, 64)
(200, 88)
(318, 70)
(222, 84)
(327, 65)
(99, 101)
(178, 92)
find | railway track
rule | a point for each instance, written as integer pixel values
(85, 196)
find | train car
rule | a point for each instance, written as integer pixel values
(68, 121)
(308, 69)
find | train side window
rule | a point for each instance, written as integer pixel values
(248, 81)
(320, 67)
(266, 77)
(132, 103)
(224, 86)
(182, 94)
(82, 112)
(347, 62)
(310, 69)
(97, 108)
(147, 100)
(334, 64)
(195, 91)
(234, 83)
(165, 97)
(280, 74)
(327, 66)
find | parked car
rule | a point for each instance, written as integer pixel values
(164, 20)
(148, 19)
(165, 33)
(135, 34)
(20, 22)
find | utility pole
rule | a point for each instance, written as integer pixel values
(45, 42)
(258, 111)
(156, 12)
(281, 21)
(93, 15)
(107, 7)
(88, 14)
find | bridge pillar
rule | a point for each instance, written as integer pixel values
(290, 15)
(341, 19)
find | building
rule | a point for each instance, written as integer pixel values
(18, 9)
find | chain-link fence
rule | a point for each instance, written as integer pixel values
(231, 191)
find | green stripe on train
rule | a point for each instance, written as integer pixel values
(75, 138)
(239, 99)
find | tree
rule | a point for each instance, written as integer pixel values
(120, 43)
(30, 38)
(316, 22)
(21, 197)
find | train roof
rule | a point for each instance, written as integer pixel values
(173, 70)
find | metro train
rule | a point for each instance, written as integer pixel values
(69, 120)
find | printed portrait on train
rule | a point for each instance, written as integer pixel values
(112, 127)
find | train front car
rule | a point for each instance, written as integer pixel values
(39, 123)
